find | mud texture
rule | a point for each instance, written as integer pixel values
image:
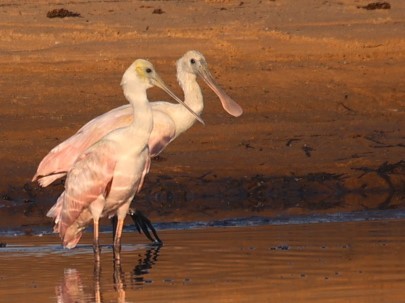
(321, 84)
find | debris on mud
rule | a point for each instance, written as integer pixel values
(247, 145)
(384, 170)
(376, 5)
(280, 247)
(346, 107)
(61, 13)
(5, 197)
(307, 150)
(3, 244)
(376, 137)
(290, 142)
(158, 11)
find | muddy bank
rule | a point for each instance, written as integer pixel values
(207, 197)
(321, 85)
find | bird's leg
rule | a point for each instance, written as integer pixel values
(96, 278)
(117, 240)
(114, 221)
(119, 282)
(96, 244)
(96, 208)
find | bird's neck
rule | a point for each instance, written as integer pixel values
(142, 122)
(192, 93)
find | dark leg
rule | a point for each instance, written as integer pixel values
(143, 223)
(114, 221)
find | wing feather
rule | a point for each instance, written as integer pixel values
(61, 158)
(163, 132)
(89, 179)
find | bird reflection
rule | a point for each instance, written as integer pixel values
(145, 264)
(71, 288)
(74, 289)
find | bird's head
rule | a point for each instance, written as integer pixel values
(193, 62)
(141, 75)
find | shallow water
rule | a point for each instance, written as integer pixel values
(321, 262)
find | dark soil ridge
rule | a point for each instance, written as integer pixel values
(166, 198)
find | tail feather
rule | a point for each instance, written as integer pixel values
(59, 160)
(55, 212)
(72, 236)
(69, 232)
(44, 181)
(56, 209)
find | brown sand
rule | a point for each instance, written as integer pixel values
(321, 84)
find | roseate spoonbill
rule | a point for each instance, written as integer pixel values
(169, 121)
(106, 176)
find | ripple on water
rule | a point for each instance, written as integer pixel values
(328, 262)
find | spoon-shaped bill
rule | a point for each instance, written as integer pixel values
(228, 104)
(159, 83)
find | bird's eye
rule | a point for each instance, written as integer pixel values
(148, 70)
(192, 61)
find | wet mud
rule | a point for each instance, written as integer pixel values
(170, 198)
(320, 85)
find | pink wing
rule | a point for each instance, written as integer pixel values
(90, 178)
(144, 173)
(61, 158)
(163, 132)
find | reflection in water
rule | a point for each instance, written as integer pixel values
(73, 289)
(314, 263)
(145, 263)
(119, 282)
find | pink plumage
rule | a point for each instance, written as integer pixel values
(169, 120)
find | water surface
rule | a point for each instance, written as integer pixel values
(321, 262)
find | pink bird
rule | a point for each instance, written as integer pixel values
(169, 121)
(104, 178)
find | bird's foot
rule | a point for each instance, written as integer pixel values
(143, 224)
